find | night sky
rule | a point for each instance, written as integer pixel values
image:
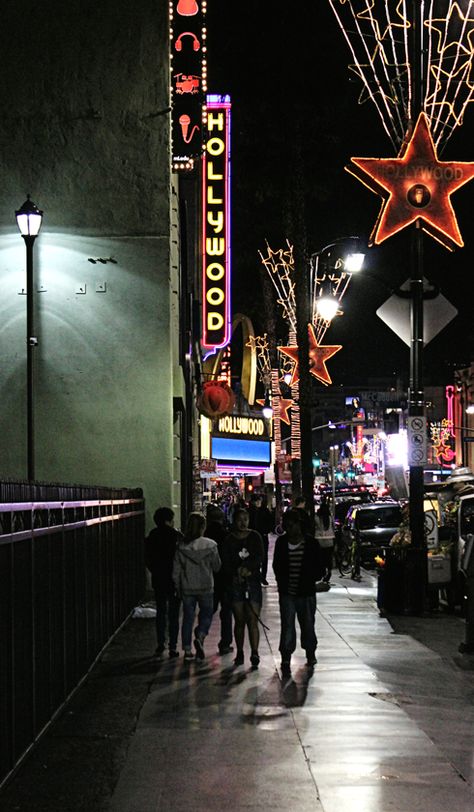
(285, 69)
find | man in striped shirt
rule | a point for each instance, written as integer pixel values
(297, 564)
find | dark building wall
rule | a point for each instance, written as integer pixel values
(84, 128)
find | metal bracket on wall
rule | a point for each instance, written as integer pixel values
(101, 287)
(41, 289)
(81, 289)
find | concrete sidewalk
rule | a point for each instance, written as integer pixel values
(384, 723)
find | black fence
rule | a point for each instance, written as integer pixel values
(71, 571)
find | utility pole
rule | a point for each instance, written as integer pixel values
(416, 391)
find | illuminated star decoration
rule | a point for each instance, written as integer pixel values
(285, 406)
(318, 355)
(415, 186)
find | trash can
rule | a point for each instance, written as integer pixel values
(403, 581)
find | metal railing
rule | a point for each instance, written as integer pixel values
(70, 574)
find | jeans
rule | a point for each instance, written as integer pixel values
(167, 614)
(223, 598)
(206, 609)
(303, 608)
(265, 556)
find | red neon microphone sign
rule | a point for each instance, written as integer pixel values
(216, 226)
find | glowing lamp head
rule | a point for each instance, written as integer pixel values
(354, 262)
(287, 378)
(470, 409)
(29, 219)
(267, 409)
(327, 307)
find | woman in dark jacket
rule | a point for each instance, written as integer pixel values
(297, 566)
(241, 564)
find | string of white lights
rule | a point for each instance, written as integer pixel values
(280, 267)
(378, 33)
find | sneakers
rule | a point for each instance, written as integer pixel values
(311, 659)
(159, 651)
(254, 660)
(188, 656)
(225, 649)
(173, 653)
(239, 659)
(199, 648)
(264, 582)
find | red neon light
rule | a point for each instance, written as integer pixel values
(216, 269)
(450, 407)
(416, 186)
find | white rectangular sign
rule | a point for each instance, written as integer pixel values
(417, 441)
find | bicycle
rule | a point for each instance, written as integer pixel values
(348, 559)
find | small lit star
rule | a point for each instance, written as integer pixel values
(285, 406)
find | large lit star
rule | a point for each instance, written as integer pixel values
(415, 186)
(318, 355)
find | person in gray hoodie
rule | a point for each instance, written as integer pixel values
(195, 562)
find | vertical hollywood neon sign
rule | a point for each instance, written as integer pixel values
(216, 227)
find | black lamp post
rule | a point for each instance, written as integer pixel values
(29, 219)
(343, 258)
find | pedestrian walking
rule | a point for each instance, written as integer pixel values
(242, 561)
(262, 520)
(195, 562)
(216, 530)
(160, 549)
(324, 534)
(297, 567)
(299, 504)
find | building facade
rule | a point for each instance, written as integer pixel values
(85, 130)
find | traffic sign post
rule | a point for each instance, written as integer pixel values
(417, 441)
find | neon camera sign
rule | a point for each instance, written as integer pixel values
(216, 226)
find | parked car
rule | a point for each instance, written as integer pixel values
(371, 526)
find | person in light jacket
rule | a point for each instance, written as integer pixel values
(324, 534)
(195, 562)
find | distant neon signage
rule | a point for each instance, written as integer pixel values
(216, 226)
(188, 80)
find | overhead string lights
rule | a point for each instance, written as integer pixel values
(280, 266)
(379, 38)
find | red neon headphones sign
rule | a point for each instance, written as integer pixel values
(216, 226)
(188, 80)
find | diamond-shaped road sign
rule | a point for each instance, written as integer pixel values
(437, 313)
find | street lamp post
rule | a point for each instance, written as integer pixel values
(333, 452)
(29, 219)
(345, 257)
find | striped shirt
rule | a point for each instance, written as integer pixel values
(295, 558)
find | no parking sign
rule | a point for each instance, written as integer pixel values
(417, 441)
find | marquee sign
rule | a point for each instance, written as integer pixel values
(188, 80)
(241, 426)
(415, 187)
(216, 226)
(242, 441)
